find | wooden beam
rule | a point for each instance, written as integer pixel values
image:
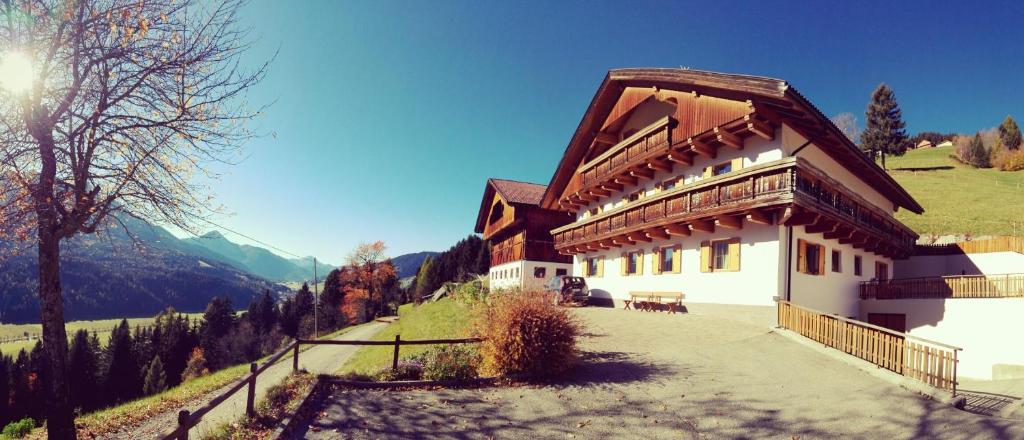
(624, 240)
(646, 173)
(728, 138)
(702, 225)
(760, 216)
(855, 237)
(702, 148)
(626, 180)
(597, 192)
(839, 232)
(759, 128)
(659, 165)
(822, 225)
(679, 230)
(638, 236)
(612, 186)
(680, 158)
(585, 197)
(802, 218)
(730, 221)
(608, 244)
(606, 138)
(656, 233)
(600, 245)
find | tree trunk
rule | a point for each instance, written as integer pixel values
(60, 419)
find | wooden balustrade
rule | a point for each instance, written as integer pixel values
(931, 362)
(961, 286)
(652, 141)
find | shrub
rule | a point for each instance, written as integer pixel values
(470, 293)
(407, 370)
(451, 362)
(525, 334)
(19, 429)
(1008, 160)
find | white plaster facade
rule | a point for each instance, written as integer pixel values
(992, 263)
(525, 274)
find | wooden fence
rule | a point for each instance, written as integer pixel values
(928, 361)
(187, 420)
(960, 286)
(997, 244)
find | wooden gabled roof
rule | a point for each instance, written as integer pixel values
(512, 192)
(774, 97)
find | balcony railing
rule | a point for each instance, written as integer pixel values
(650, 142)
(776, 183)
(963, 286)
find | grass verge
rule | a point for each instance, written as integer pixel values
(433, 320)
(282, 400)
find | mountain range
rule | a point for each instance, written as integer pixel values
(143, 269)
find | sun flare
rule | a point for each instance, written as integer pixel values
(15, 72)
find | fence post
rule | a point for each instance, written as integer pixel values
(295, 358)
(398, 342)
(250, 401)
(183, 427)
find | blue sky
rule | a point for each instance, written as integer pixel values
(387, 117)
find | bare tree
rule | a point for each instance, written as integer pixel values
(129, 101)
(847, 123)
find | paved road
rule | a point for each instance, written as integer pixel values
(319, 359)
(659, 376)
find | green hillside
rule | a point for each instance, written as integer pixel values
(956, 198)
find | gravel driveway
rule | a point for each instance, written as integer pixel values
(653, 375)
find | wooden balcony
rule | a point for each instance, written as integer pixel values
(649, 143)
(961, 286)
(756, 194)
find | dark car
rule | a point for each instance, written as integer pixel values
(565, 288)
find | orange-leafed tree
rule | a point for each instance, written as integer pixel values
(370, 270)
(355, 306)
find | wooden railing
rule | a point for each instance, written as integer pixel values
(997, 244)
(931, 362)
(187, 420)
(649, 142)
(775, 183)
(960, 286)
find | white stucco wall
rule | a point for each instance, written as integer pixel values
(520, 274)
(835, 293)
(756, 283)
(993, 263)
(984, 327)
(791, 140)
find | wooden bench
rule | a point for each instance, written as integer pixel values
(648, 301)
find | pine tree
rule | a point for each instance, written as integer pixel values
(262, 313)
(218, 320)
(5, 389)
(885, 130)
(20, 395)
(83, 369)
(38, 381)
(1009, 133)
(122, 381)
(483, 259)
(979, 155)
(423, 278)
(156, 379)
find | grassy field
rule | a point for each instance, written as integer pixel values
(959, 199)
(101, 327)
(433, 320)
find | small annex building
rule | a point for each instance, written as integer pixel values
(518, 231)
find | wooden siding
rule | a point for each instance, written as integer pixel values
(495, 222)
(930, 362)
(998, 244)
(962, 286)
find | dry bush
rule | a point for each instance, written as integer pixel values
(525, 334)
(1008, 160)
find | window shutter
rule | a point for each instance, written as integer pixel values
(705, 256)
(676, 258)
(600, 267)
(734, 254)
(583, 267)
(707, 172)
(801, 256)
(737, 164)
(640, 262)
(622, 265)
(821, 260)
(656, 261)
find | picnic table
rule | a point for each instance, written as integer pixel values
(651, 301)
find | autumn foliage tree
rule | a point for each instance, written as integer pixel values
(126, 101)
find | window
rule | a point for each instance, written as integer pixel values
(632, 263)
(540, 272)
(668, 184)
(856, 265)
(666, 260)
(837, 261)
(592, 267)
(720, 255)
(881, 271)
(594, 211)
(722, 168)
(810, 258)
(559, 272)
(637, 195)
